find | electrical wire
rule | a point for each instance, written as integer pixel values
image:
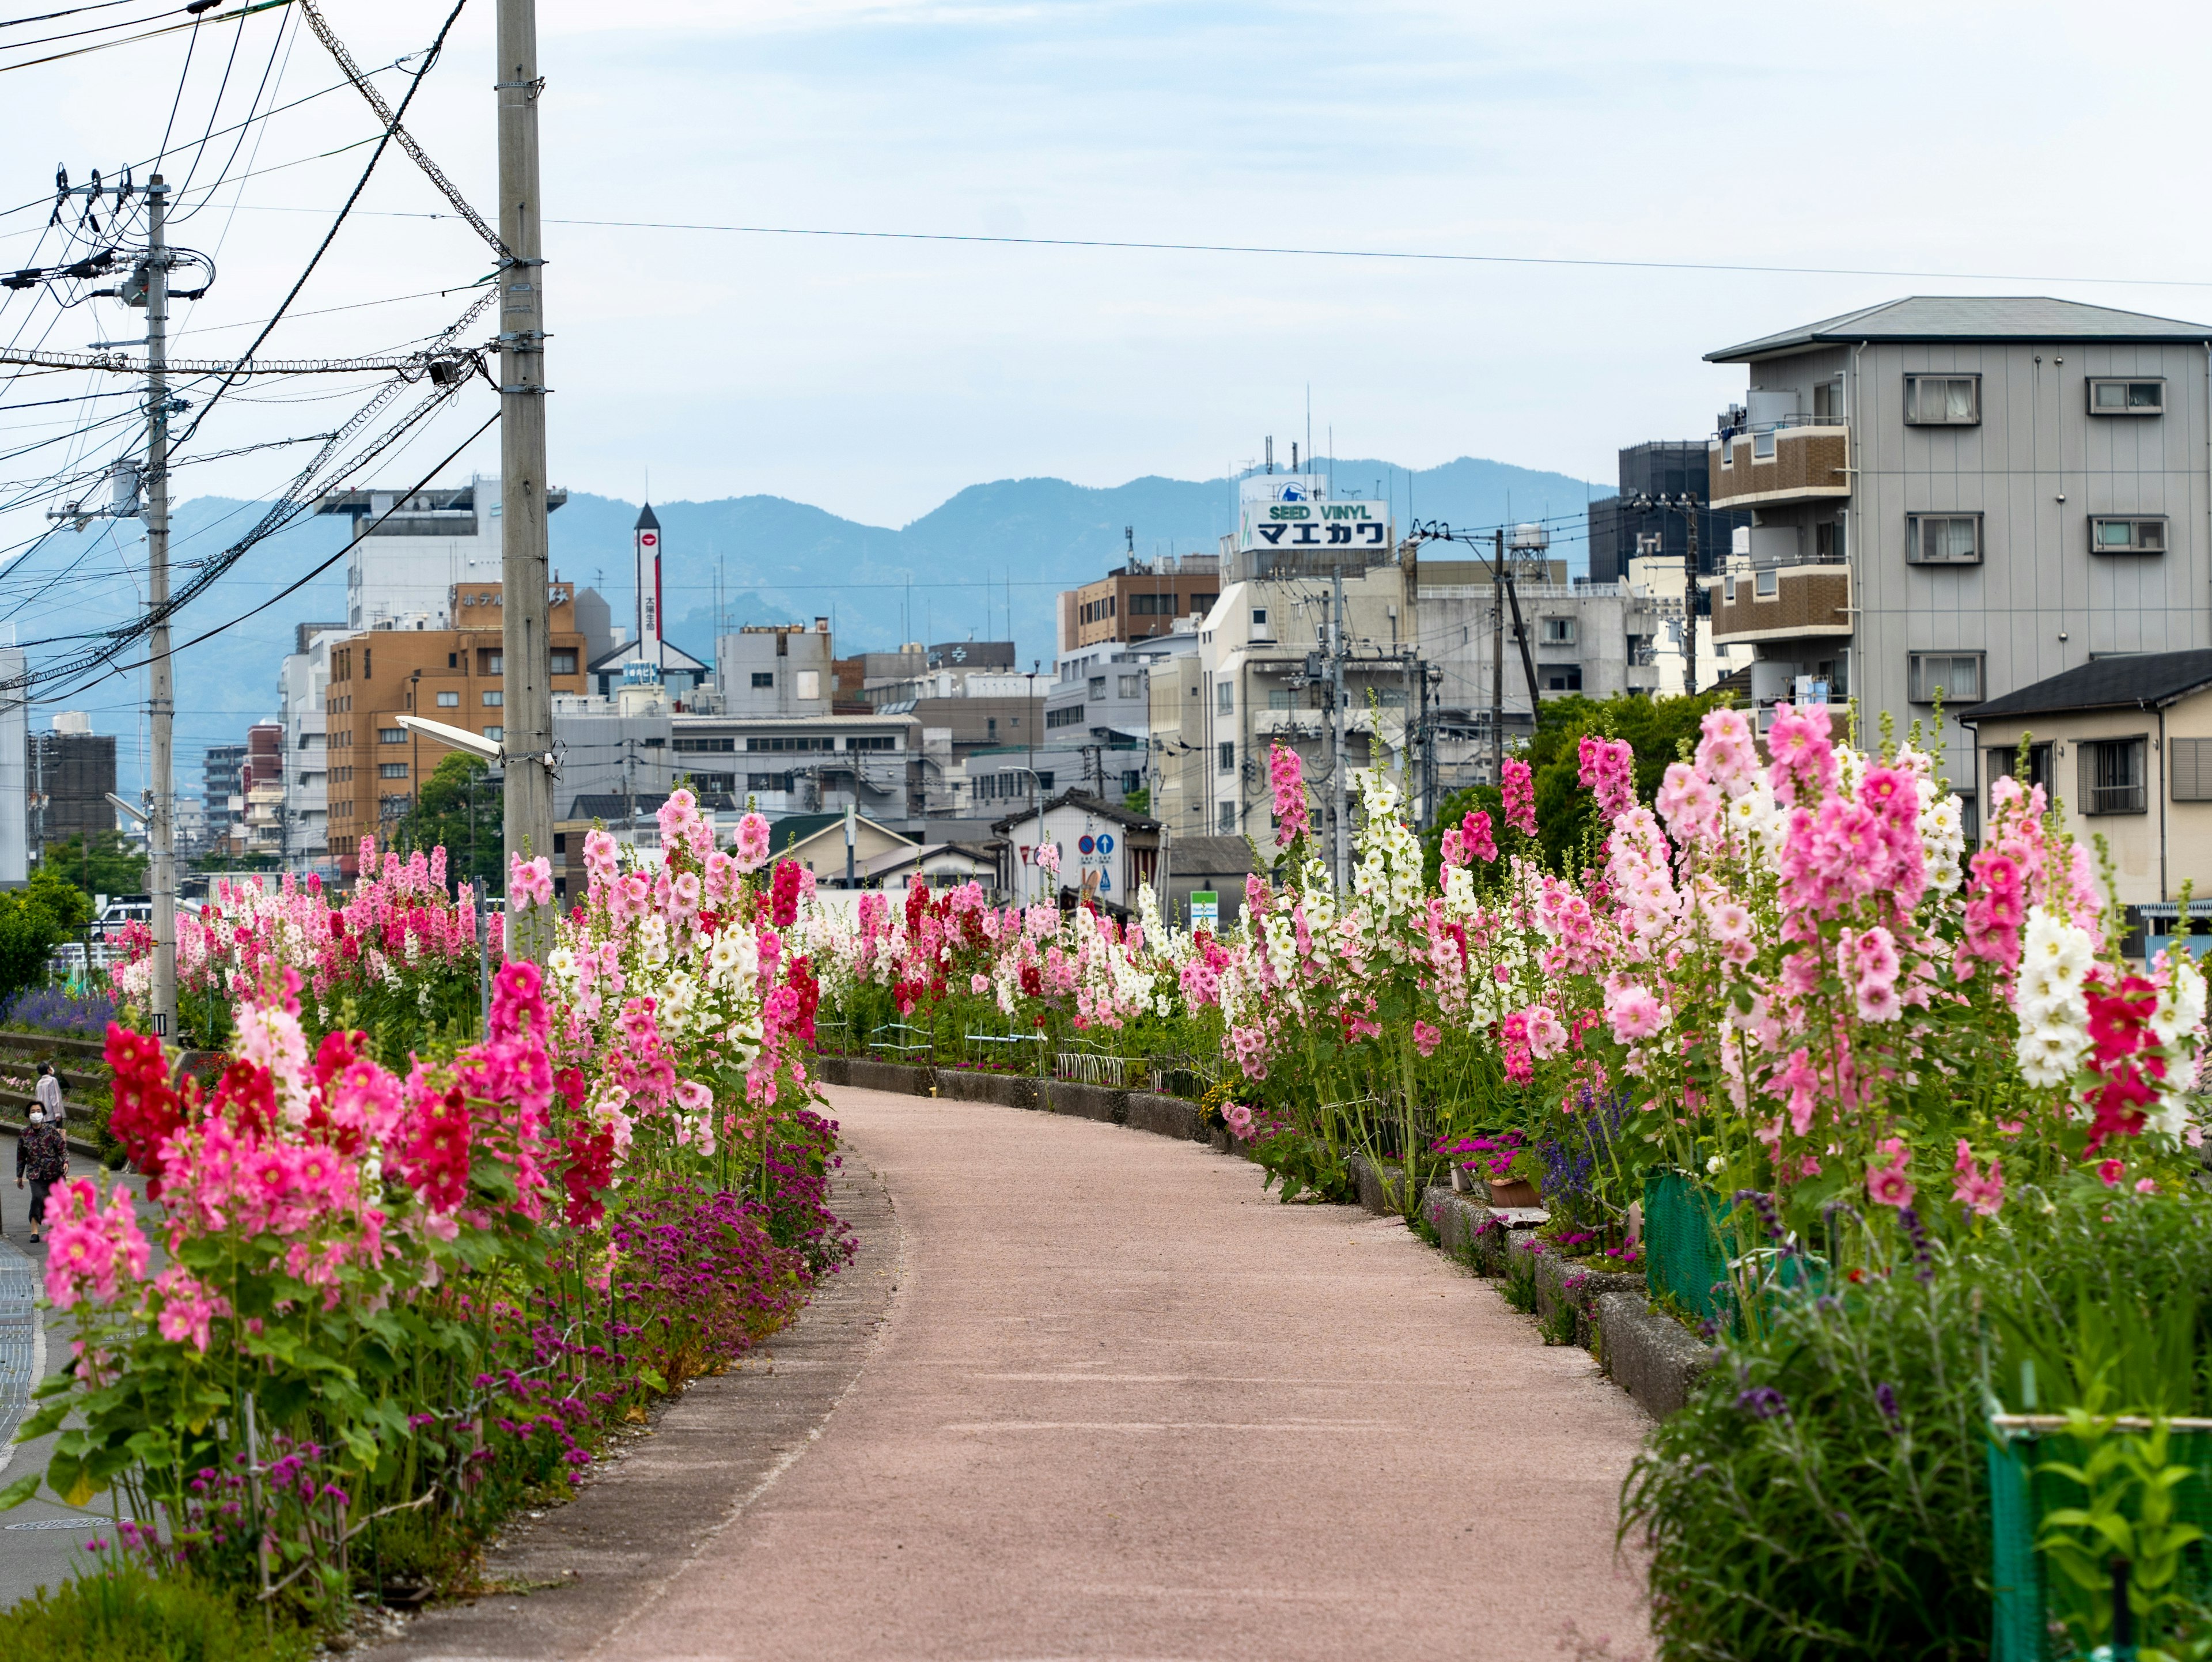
(49, 16)
(150, 34)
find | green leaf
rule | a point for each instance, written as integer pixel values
(19, 1491)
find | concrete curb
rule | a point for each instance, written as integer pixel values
(1648, 1354)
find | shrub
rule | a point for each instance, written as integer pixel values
(124, 1614)
(1824, 1493)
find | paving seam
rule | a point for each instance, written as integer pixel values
(592, 1565)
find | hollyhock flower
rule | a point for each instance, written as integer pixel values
(1887, 1186)
(1284, 776)
(1635, 1014)
(1518, 787)
(1727, 755)
(752, 842)
(1607, 771)
(1427, 1037)
(1804, 755)
(1475, 838)
(1547, 1034)
(1979, 1194)
(529, 882)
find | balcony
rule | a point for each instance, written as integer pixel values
(1799, 459)
(1783, 603)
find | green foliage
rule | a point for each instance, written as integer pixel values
(34, 921)
(1824, 1493)
(1566, 817)
(124, 1614)
(2128, 1511)
(1520, 1283)
(110, 865)
(1138, 801)
(457, 810)
(1304, 1165)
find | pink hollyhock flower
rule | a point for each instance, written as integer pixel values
(1727, 755)
(1426, 1038)
(1984, 1195)
(529, 882)
(1636, 1015)
(1450, 850)
(1286, 776)
(752, 842)
(1607, 771)
(1475, 838)
(1239, 1118)
(1519, 789)
(1547, 1034)
(979, 984)
(1887, 1186)
(2111, 1171)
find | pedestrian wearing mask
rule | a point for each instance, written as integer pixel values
(40, 1156)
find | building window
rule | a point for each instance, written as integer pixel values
(810, 684)
(493, 699)
(1225, 756)
(991, 726)
(1555, 631)
(391, 735)
(2110, 534)
(692, 743)
(768, 781)
(1067, 715)
(1225, 819)
(391, 770)
(1131, 686)
(1943, 401)
(872, 741)
(497, 735)
(2112, 774)
(1943, 539)
(452, 661)
(1556, 678)
(563, 663)
(1097, 687)
(449, 701)
(1224, 697)
(490, 662)
(1765, 584)
(2189, 769)
(763, 678)
(1955, 677)
(2126, 398)
(1828, 542)
(1258, 617)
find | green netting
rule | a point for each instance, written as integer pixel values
(1685, 1251)
(2023, 1603)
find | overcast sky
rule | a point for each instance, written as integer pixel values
(2025, 146)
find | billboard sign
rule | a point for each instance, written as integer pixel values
(1312, 525)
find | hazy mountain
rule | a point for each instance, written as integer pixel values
(990, 562)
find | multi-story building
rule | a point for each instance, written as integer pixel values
(301, 680)
(15, 817)
(72, 774)
(1142, 599)
(263, 776)
(1663, 468)
(411, 552)
(223, 795)
(776, 669)
(454, 676)
(1953, 498)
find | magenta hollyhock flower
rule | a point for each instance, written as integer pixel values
(1518, 787)
(1287, 779)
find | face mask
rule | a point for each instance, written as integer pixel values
(38, 1119)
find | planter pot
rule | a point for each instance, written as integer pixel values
(1517, 1192)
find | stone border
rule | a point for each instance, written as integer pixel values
(1648, 1354)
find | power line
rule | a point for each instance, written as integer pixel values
(150, 34)
(1414, 256)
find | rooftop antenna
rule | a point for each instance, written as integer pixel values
(1271, 453)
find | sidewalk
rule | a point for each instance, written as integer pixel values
(1126, 1405)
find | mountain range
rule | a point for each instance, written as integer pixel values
(988, 564)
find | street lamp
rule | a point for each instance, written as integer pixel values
(1687, 506)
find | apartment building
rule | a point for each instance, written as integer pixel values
(1957, 497)
(411, 549)
(301, 681)
(455, 676)
(1142, 599)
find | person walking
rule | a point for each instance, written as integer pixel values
(42, 1156)
(50, 1095)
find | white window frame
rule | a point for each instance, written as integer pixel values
(2127, 384)
(2136, 524)
(449, 701)
(1224, 755)
(1920, 689)
(391, 735)
(1914, 418)
(1225, 697)
(1916, 529)
(1556, 632)
(2101, 801)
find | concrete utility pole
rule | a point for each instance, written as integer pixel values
(1337, 779)
(1498, 661)
(161, 701)
(525, 571)
(1691, 595)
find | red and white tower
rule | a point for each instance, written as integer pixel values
(648, 591)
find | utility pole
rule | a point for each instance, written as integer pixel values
(527, 718)
(1691, 595)
(1337, 781)
(1498, 661)
(162, 699)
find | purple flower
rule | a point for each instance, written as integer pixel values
(1885, 1400)
(1763, 1403)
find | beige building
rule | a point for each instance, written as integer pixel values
(2123, 746)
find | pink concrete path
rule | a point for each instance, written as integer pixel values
(1128, 1406)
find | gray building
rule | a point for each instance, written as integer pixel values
(776, 669)
(1964, 496)
(409, 550)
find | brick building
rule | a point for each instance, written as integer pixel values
(1138, 601)
(74, 769)
(450, 675)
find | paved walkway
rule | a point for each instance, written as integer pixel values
(1124, 1405)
